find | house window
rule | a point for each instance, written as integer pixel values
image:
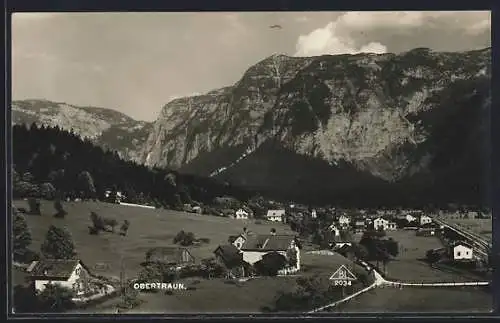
(238, 245)
(458, 253)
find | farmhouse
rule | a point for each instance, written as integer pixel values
(391, 226)
(255, 247)
(380, 223)
(72, 274)
(461, 251)
(275, 215)
(169, 256)
(424, 219)
(241, 214)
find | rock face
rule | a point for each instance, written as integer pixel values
(107, 128)
(330, 123)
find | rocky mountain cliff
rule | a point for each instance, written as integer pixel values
(355, 127)
(107, 128)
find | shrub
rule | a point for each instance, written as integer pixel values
(34, 205)
(184, 238)
(60, 212)
(124, 228)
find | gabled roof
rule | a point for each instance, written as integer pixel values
(55, 269)
(268, 242)
(169, 255)
(228, 252)
(278, 212)
(461, 243)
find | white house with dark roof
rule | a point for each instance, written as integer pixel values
(275, 215)
(344, 221)
(241, 214)
(72, 274)
(424, 219)
(255, 247)
(380, 223)
(461, 251)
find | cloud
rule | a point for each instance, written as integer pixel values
(327, 41)
(340, 36)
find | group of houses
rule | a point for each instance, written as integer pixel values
(248, 249)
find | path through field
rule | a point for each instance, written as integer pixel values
(381, 282)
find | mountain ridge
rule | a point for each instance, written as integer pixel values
(386, 120)
(107, 128)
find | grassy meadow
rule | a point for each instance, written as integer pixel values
(418, 300)
(157, 227)
(482, 227)
(409, 265)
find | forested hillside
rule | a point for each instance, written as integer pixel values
(48, 161)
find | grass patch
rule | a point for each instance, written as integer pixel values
(149, 228)
(455, 299)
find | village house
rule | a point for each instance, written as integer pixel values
(344, 221)
(241, 214)
(175, 256)
(472, 215)
(391, 226)
(72, 274)
(359, 226)
(410, 218)
(314, 215)
(275, 215)
(380, 224)
(333, 228)
(424, 219)
(461, 251)
(197, 209)
(255, 247)
(227, 253)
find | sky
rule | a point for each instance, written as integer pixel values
(137, 62)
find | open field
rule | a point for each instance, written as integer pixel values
(482, 227)
(149, 228)
(420, 300)
(408, 265)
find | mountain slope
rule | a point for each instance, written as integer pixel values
(414, 120)
(105, 127)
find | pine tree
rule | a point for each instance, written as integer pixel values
(21, 236)
(86, 184)
(58, 244)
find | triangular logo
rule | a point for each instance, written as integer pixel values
(343, 274)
